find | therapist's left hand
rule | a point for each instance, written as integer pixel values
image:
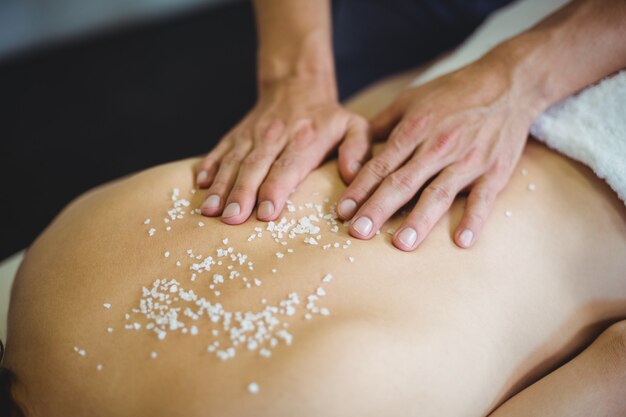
(465, 130)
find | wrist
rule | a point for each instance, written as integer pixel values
(308, 57)
(528, 68)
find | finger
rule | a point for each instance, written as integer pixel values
(401, 145)
(301, 156)
(479, 204)
(394, 192)
(433, 203)
(208, 166)
(224, 180)
(383, 123)
(355, 149)
(253, 170)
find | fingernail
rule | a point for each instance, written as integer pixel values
(407, 237)
(354, 167)
(212, 202)
(363, 225)
(466, 238)
(231, 210)
(202, 176)
(265, 210)
(347, 208)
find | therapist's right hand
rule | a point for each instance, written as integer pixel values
(295, 124)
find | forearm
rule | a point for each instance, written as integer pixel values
(569, 50)
(295, 41)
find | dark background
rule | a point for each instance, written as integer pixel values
(90, 109)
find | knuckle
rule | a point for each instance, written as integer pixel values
(476, 217)
(243, 189)
(272, 133)
(219, 186)
(284, 162)
(233, 157)
(439, 193)
(402, 182)
(443, 142)
(254, 160)
(377, 208)
(379, 168)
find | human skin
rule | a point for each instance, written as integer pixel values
(439, 331)
(466, 129)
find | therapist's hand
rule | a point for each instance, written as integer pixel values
(295, 124)
(465, 130)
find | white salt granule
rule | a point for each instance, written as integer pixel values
(151, 231)
(320, 292)
(167, 254)
(168, 228)
(201, 224)
(273, 270)
(532, 187)
(225, 241)
(280, 255)
(524, 171)
(153, 355)
(194, 330)
(308, 316)
(82, 352)
(327, 278)
(110, 329)
(147, 221)
(351, 259)
(324, 311)
(508, 213)
(253, 388)
(257, 282)
(107, 305)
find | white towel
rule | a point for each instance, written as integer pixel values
(589, 127)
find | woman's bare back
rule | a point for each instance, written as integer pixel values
(439, 331)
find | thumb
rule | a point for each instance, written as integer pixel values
(355, 148)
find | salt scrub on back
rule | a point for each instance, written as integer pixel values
(168, 305)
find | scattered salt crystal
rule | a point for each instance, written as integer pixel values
(280, 255)
(99, 367)
(257, 282)
(167, 254)
(225, 241)
(308, 316)
(327, 278)
(320, 292)
(351, 259)
(201, 224)
(153, 355)
(194, 330)
(273, 270)
(524, 171)
(508, 213)
(324, 311)
(178, 263)
(82, 352)
(107, 305)
(532, 187)
(253, 388)
(151, 231)
(110, 329)
(147, 221)
(168, 228)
